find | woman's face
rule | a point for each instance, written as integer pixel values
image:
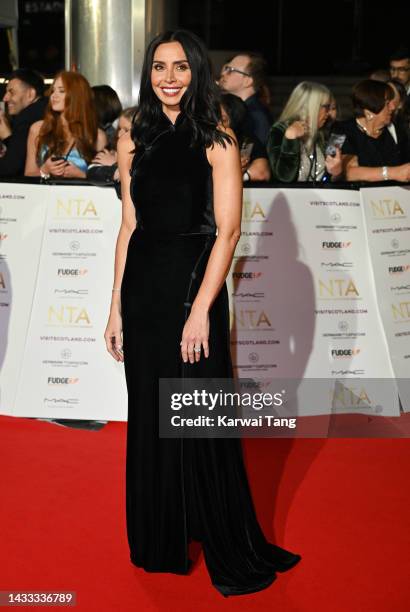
(383, 118)
(323, 114)
(124, 125)
(57, 97)
(170, 74)
(333, 110)
(396, 102)
(225, 117)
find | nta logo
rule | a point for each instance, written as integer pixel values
(76, 207)
(386, 209)
(68, 315)
(337, 288)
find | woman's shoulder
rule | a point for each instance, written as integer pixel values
(36, 127)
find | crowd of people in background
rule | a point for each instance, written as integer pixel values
(71, 130)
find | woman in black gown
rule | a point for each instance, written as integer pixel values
(181, 179)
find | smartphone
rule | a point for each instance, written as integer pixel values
(335, 142)
(2, 106)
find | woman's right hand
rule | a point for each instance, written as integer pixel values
(56, 168)
(297, 129)
(113, 335)
(400, 173)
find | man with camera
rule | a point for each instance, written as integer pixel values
(25, 105)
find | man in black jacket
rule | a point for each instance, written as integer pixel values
(25, 106)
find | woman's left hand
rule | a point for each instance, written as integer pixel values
(105, 158)
(195, 336)
(71, 171)
(334, 164)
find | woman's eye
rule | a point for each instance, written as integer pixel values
(157, 67)
(183, 67)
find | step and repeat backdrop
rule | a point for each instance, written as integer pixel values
(319, 291)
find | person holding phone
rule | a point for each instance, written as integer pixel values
(297, 142)
(64, 143)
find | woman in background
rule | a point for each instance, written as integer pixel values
(370, 151)
(297, 141)
(255, 164)
(109, 108)
(103, 169)
(66, 140)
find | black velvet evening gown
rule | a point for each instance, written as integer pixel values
(181, 489)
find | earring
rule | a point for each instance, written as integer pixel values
(369, 117)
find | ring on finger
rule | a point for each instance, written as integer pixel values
(197, 349)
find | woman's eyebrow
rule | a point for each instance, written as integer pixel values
(176, 62)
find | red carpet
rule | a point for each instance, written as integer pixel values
(344, 505)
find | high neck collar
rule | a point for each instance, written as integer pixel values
(167, 120)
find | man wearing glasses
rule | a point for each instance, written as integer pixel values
(400, 68)
(244, 75)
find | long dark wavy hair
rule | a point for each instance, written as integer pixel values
(200, 103)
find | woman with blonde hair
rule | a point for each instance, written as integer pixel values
(66, 140)
(296, 144)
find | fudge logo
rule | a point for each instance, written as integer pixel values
(344, 353)
(71, 272)
(328, 245)
(53, 381)
(399, 269)
(246, 275)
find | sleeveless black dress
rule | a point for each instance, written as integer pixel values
(181, 489)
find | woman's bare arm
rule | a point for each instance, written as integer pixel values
(31, 168)
(227, 185)
(128, 224)
(354, 172)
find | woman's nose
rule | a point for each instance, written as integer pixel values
(170, 76)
